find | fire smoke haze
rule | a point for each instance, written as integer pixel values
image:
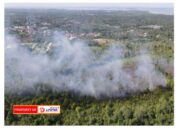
(75, 67)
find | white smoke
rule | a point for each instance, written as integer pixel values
(75, 67)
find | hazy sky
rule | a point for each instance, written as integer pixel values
(159, 8)
(88, 5)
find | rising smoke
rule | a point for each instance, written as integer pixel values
(75, 67)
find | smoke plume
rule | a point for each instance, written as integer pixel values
(75, 67)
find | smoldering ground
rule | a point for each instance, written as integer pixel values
(75, 67)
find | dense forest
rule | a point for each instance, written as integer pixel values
(147, 108)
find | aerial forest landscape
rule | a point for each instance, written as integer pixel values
(104, 65)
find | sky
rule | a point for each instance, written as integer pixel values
(164, 8)
(87, 5)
